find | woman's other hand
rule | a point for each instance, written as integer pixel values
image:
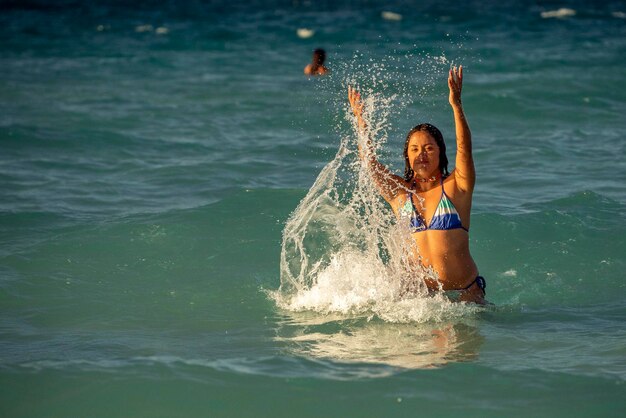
(354, 97)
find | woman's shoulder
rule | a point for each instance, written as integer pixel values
(451, 187)
(450, 180)
(450, 177)
(401, 189)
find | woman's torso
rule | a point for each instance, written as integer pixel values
(445, 250)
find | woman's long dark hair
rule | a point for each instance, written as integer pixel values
(438, 137)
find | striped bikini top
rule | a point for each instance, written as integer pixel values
(445, 217)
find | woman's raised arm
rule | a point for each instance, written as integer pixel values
(464, 171)
(388, 184)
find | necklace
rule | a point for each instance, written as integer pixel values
(428, 180)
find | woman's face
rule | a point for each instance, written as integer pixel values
(423, 153)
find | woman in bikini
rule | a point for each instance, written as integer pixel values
(436, 204)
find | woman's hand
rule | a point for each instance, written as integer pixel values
(455, 82)
(354, 97)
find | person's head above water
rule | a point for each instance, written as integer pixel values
(425, 132)
(316, 67)
(319, 56)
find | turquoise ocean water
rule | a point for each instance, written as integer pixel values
(153, 153)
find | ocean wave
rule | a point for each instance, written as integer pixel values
(275, 366)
